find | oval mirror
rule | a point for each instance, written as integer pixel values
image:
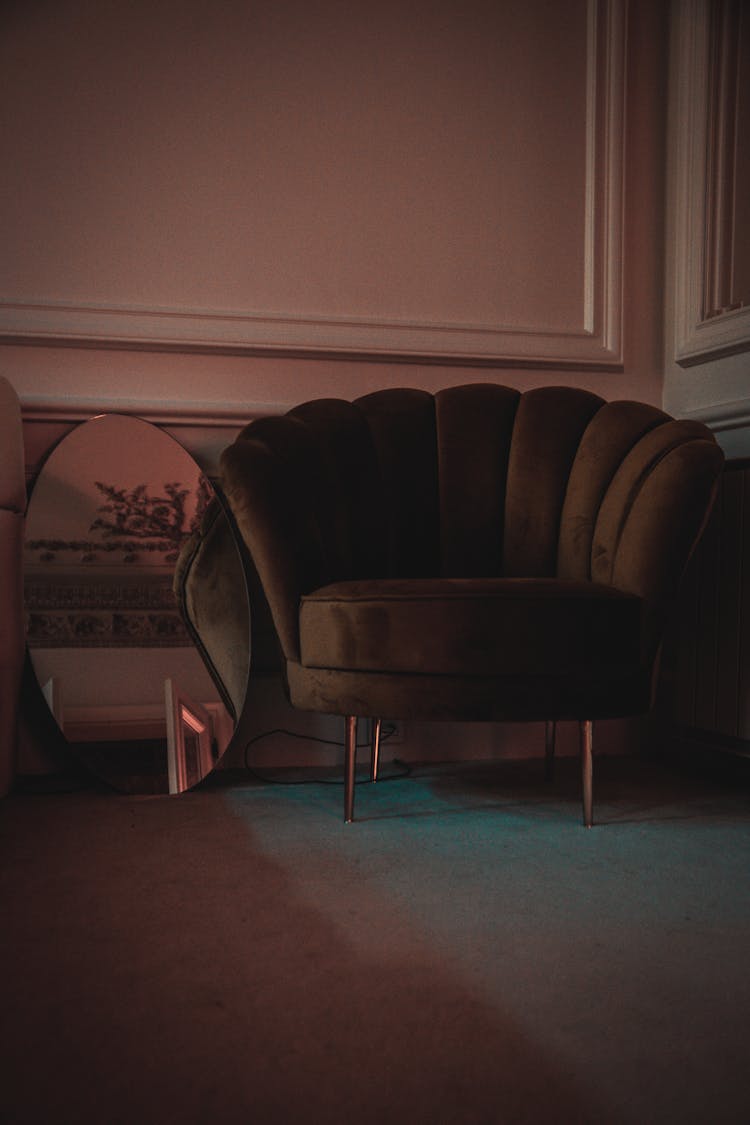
(136, 606)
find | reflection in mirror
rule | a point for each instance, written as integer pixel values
(189, 739)
(119, 507)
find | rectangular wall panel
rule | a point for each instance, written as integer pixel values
(704, 686)
(418, 180)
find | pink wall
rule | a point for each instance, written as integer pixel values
(362, 172)
(335, 159)
(368, 185)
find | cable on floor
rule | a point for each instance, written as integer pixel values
(404, 767)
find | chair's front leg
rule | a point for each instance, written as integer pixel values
(374, 749)
(587, 769)
(350, 760)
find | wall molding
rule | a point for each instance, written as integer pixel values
(701, 332)
(74, 408)
(595, 342)
(722, 416)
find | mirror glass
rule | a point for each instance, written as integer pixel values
(116, 508)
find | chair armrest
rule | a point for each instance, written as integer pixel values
(12, 640)
(211, 593)
(12, 473)
(275, 483)
(653, 516)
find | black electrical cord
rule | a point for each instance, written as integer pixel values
(405, 769)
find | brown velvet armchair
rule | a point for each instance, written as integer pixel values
(477, 554)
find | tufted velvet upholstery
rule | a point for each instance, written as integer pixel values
(478, 553)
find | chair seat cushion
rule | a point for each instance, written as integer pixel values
(470, 627)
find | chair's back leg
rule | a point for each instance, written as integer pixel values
(350, 760)
(374, 749)
(587, 767)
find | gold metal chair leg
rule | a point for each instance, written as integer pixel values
(549, 749)
(587, 767)
(374, 749)
(350, 759)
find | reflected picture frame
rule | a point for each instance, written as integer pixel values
(190, 749)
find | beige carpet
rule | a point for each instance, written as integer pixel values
(465, 952)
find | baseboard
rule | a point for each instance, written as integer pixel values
(703, 750)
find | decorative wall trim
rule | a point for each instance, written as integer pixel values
(76, 408)
(722, 415)
(596, 342)
(701, 217)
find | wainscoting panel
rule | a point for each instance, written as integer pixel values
(704, 688)
(711, 113)
(442, 182)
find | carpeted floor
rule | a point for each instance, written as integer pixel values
(464, 952)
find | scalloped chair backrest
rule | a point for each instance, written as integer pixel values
(479, 480)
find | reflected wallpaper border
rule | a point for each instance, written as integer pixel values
(105, 611)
